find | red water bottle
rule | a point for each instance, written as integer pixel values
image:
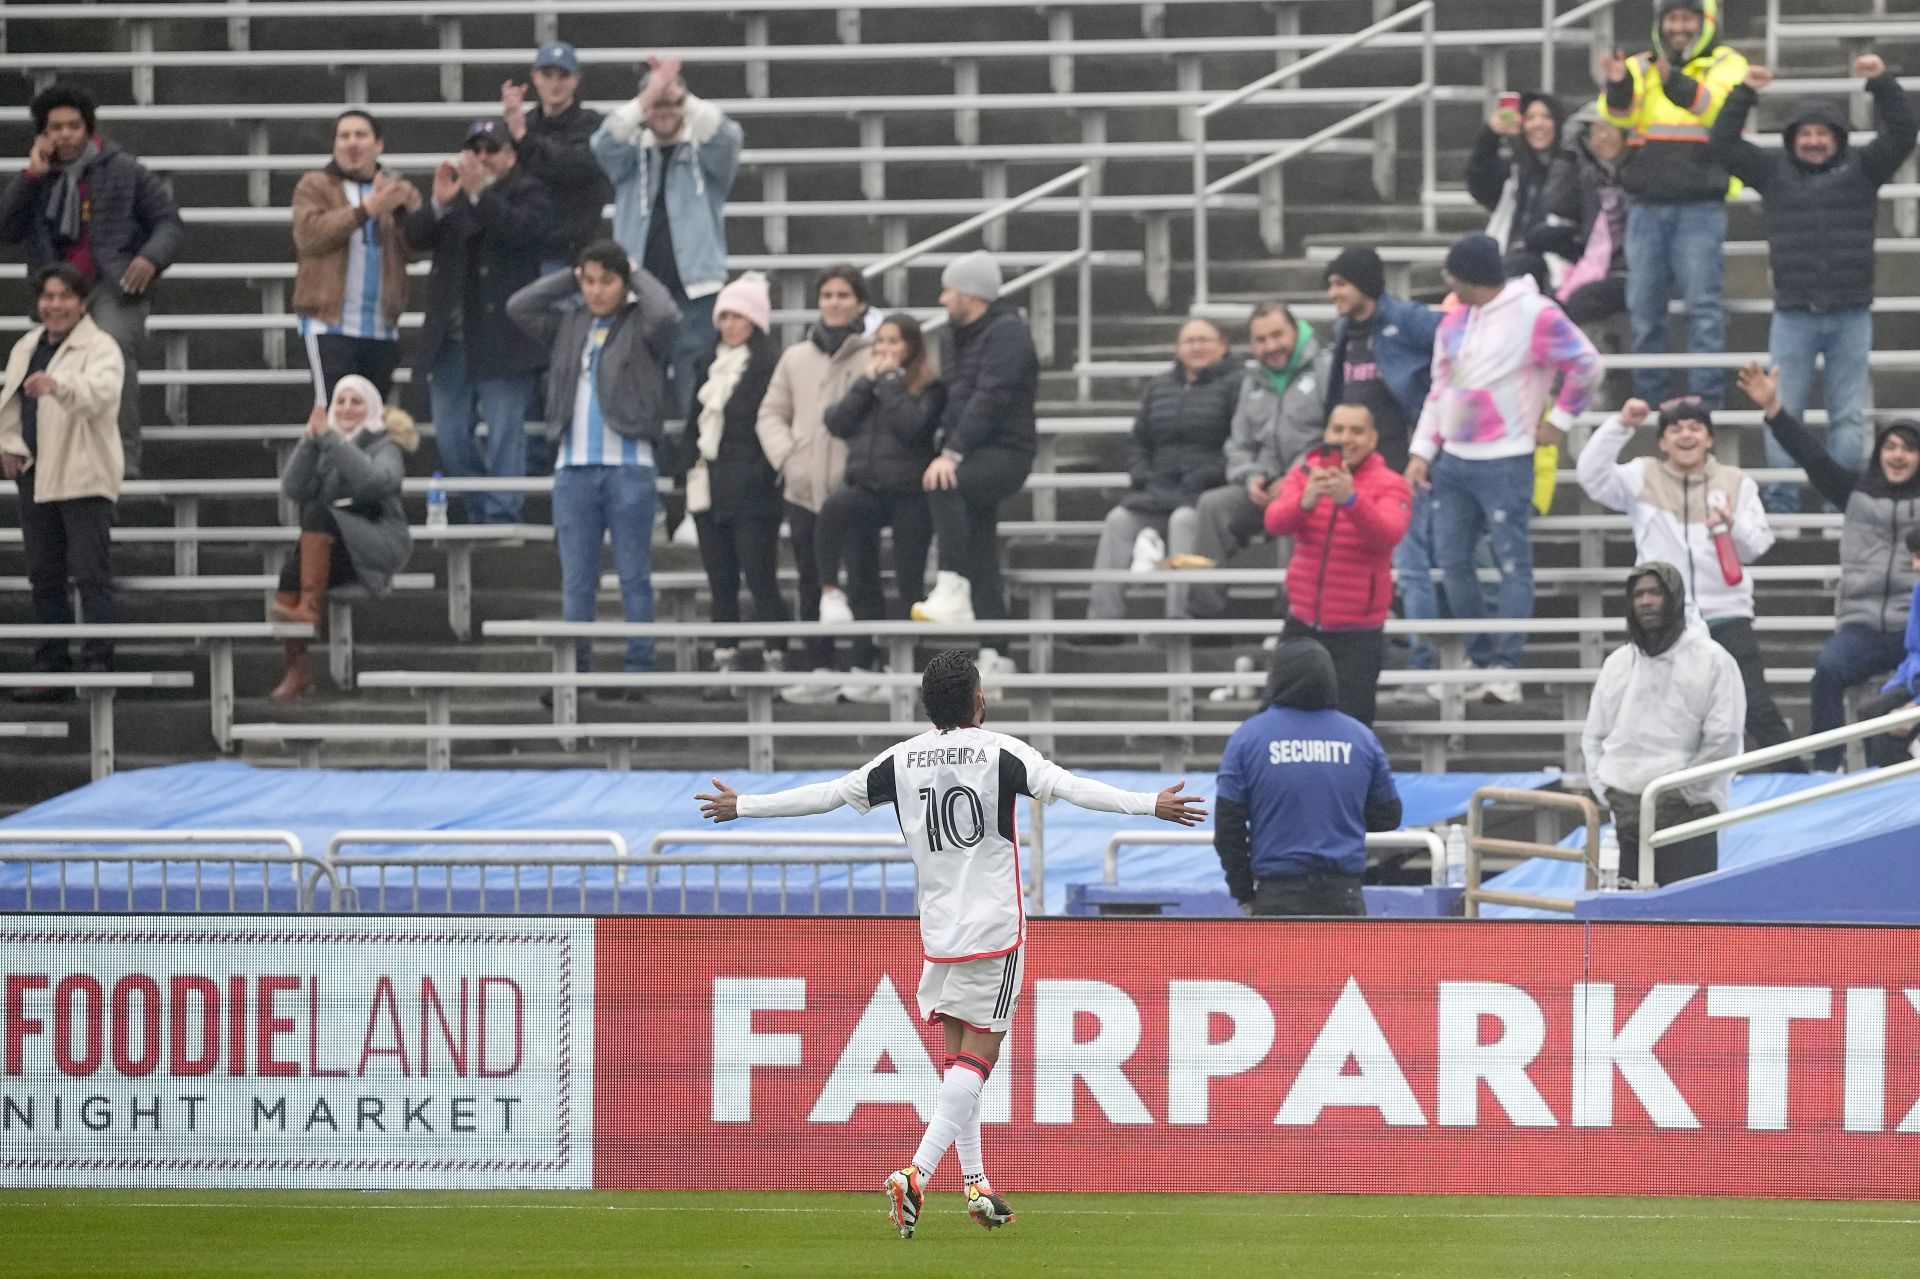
(1721, 526)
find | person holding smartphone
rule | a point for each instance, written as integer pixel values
(1346, 510)
(1507, 170)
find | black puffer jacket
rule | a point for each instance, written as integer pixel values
(555, 151)
(131, 214)
(889, 431)
(1581, 189)
(743, 483)
(992, 376)
(1820, 221)
(1178, 447)
(1495, 159)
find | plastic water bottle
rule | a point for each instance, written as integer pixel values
(436, 503)
(1609, 861)
(1456, 857)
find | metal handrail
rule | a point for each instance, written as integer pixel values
(1436, 847)
(1651, 837)
(295, 856)
(613, 839)
(1478, 842)
(1203, 191)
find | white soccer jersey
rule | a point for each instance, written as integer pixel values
(954, 793)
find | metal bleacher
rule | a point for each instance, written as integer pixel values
(866, 133)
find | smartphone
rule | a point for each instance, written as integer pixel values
(1509, 107)
(1328, 456)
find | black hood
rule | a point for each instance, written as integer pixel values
(1673, 623)
(1874, 483)
(1302, 676)
(1816, 111)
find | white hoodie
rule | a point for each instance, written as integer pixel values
(1652, 716)
(1670, 513)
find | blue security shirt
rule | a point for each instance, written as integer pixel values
(1306, 779)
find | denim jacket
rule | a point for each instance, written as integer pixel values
(699, 178)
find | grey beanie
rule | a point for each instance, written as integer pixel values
(976, 274)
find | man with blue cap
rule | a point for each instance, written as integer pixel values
(552, 144)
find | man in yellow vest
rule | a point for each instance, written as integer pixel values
(1666, 100)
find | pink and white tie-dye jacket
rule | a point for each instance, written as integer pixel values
(1493, 369)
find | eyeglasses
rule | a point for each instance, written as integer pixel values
(1682, 402)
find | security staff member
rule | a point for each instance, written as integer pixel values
(1299, 787)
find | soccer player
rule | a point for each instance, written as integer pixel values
(953, 790)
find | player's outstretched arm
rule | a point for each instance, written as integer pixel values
(1182, 810)
(725, 803)
(721, 807)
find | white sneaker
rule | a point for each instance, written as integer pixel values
(834, 609)
(776, 659)
(811, 694)
(684, 533)
(1242, 665)
(865, 692)
(1437, 691)
(950, 601)
(991, 662)
(723, 664)
(1148, 550)
(1504, 692)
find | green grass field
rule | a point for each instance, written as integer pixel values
(295, 1233)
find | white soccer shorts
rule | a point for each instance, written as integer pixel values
(979, 993)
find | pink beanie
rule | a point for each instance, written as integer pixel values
(747, 297)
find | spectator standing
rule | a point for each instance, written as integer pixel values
(1821, 198)
(1878, 505)
(888, 418)
(733, 491)
(344, 477)
(1277, 416)
(1494, 366)
(1668, 699)
(1507, 169)
(1384, 340)
(1299, 787)
(1667, 100)
(351, 254)
(1683, 504)
(812, 376)
(1175, 454)
(672, 158)
(1586, 222)
(609, 329)
(1900, 692)
(83, 201)
(60, 444)
(1346, 510)
(552, 142)
(988, 436)
(483, 227)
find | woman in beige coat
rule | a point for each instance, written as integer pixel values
(60, 443)
(812, 376)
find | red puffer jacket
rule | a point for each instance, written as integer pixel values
(1341, 575)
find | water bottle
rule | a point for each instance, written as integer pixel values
(1609, 861)
(436, 503)
(1721, 528)
(1456, 857)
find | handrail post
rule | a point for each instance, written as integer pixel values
(1429, 135)
(1083, 350)
(1547, 33)
(1200, 245)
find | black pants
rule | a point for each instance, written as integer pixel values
(1357, 658)
(317, 517)
(966, 519)
(1886, 750)
(803, 532)
(733, 549)
(1601, 300)
(849, 533)
(1324, 892)
(71, 539)
(1674, 862)
(331, 357)
(1765, 725)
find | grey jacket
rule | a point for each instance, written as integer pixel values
(1271, 432)
(633, 378)
(358, 479)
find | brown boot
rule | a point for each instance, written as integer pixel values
(298, 681)
(316, 561)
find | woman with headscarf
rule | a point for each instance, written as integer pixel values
(345, 476)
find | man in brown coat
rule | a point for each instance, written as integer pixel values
(351, 282)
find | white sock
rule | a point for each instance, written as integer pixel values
(973, 1165)
(959, 1100)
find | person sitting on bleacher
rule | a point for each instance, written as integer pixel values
(1902, 692)
(483, 227)
(1586, 222)
(1878, 506)
(1510, 181)
(1346, 510)
(345, 478)
(1668, 699)
(1277, 416)
(733, 491)
(350, 253)
(609, 329)
(60, 444)
(1683, 507)
(887, 418)
(1173, 456)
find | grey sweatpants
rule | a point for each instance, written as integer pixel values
(125, 321)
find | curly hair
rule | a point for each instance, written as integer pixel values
(63, 93)
(947, 688)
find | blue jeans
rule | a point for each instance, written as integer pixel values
(591, 503)
(1683, 245)
(1413, 573)
(1845, 339)
(502, 403)
(1495, 498)
(697, 336)
(1850, 655)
